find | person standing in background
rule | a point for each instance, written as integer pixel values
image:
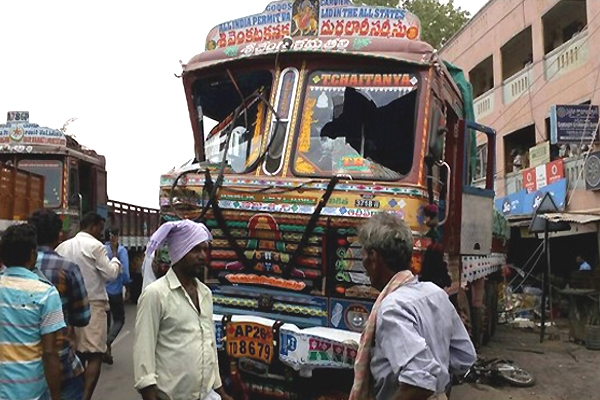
(67, 279)
(583, 265)
(87, 251)
(136, 279)
(114, 289)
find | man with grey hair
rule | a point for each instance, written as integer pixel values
(413, 338)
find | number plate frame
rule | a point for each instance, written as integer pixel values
(368, 203)
(250, 340)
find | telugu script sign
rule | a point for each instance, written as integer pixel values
(24, 134)
(309, 18)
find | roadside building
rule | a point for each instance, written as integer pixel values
(526, 58)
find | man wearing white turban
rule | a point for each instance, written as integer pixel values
(175, 352)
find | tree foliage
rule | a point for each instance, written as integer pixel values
(439, 20)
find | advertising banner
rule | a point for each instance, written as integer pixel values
(310, 18)
(523, 203)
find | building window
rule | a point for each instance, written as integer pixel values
(563, 22)
(482, 77)
(516, 148)
(517, 54)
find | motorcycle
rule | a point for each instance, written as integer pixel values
(498, 370)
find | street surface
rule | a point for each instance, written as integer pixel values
(116, 381)
(563, 370)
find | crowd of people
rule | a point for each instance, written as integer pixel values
(54, 300)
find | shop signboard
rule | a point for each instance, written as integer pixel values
(573, 123)
(524, 204)
(539, 155)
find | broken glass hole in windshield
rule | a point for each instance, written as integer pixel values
(361, 125)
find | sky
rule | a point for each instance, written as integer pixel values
(111, 65)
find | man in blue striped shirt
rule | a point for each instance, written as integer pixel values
(67, 279)
(30, 316)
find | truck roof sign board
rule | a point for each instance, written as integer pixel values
(19, 135)
(573, 123)
(310, 18)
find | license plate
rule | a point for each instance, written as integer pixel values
(250, 340)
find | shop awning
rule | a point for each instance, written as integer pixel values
(570, 217)
(520, 221)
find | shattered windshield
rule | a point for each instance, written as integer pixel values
(358, 124)
(218, 99)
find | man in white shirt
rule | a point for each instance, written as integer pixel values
(87, 251)
(174, 351)
(414, 338)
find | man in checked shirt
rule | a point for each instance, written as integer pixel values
(67, 279)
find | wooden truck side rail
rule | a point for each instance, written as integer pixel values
(135, 223)
(21, 193)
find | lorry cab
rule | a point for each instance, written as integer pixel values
(308, 119)
(74, 177)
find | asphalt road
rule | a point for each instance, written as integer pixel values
(116, 381)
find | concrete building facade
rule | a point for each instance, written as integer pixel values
(522, 57)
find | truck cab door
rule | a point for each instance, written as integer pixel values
(477, 204)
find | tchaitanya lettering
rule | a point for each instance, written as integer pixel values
(365, 80)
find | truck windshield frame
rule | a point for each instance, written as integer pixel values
(357, 124)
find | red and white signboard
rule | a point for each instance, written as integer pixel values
(543, 175)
